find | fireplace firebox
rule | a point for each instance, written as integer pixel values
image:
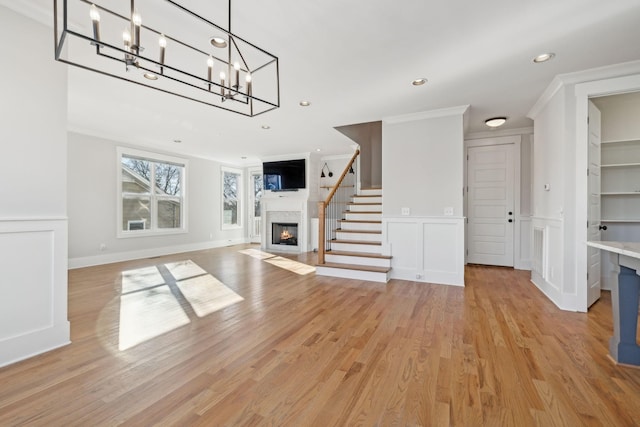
(283, 233)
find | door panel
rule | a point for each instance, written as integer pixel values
(490, 178)
(593, 221)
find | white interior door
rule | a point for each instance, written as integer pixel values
(593, 221)
(490, 205)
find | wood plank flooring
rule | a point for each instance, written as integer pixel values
(301, 350)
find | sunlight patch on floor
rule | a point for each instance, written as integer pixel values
(291, 265)
(256, 253)
(185, 269)
(141, 278)
(206, 294)
(147, 314)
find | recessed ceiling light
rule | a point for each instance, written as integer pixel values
(177, 141)
(318, 149)
(419, 82)
(244, 157)
(544, 57)
(218, 42)
(150, 76)
(494, 122)
(304, 103)
(266, 127)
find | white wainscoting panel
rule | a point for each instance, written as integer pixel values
(426, 249)
(547, 260)
(33, 292)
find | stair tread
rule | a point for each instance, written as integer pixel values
(364, 204)
(358, 254)
(359, 231)
(366, 195)
(356, 242)
(355, 267)
(364, 212)
(360, 221)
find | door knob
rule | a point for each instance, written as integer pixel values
(602, 227)
(510, 220)
(510, 213)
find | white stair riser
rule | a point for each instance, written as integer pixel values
(357, 260)
(360, 226)
(371, 192)
(351, 247)
(365, 237)
(356, 199)
(362, 216)
(353, 274)
(365, 208)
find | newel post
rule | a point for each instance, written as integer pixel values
(321, 231)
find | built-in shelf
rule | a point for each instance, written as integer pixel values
(622, 141)
(621, 165)
(621, 193)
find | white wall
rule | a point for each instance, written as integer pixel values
(92, 188)
(33, 238)
(422, 169)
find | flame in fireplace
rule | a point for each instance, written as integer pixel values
(285, 235)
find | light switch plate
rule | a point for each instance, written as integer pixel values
(448, 211)
(406, 211)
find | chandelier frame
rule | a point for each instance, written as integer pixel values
(210, 91)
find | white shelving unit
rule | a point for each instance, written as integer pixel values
(620, 186)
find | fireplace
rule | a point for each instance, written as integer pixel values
(284, 233)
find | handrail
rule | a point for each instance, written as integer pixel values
(322, 210)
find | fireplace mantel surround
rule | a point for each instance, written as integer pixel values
(287, 207)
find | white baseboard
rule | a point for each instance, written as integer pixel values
(148, 253)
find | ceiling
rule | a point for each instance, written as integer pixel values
(355, 61)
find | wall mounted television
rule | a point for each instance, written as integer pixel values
(284, 175)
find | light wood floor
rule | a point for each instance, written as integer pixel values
(302, 350)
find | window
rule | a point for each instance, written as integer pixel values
(150, 193)
(231, 198)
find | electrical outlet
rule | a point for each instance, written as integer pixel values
(103, 246)
(406, 211)
(448, 211)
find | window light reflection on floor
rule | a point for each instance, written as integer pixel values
(287, 264)
(149, 307)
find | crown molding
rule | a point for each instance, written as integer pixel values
(431, 114)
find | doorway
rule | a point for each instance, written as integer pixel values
(255, 204)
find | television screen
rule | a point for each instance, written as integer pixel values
(284, 175)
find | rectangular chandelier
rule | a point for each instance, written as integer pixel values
(162, 45)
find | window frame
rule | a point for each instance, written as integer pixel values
(240, 196)
(152, 196)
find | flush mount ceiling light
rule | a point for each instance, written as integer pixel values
(172, 51)
(266, 127)
(304, 103)
(544, 57)
(419, 82)
(495, 122)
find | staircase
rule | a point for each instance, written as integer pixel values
(356, 251)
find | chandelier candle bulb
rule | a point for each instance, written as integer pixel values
(126, 38)
(236, 66)
(248, 79)
(162, 42)
(222, 77)
(137, 22)
(95, 21)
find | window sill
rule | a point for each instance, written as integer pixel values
(150, 233)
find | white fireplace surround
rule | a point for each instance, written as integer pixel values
(284, 210)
